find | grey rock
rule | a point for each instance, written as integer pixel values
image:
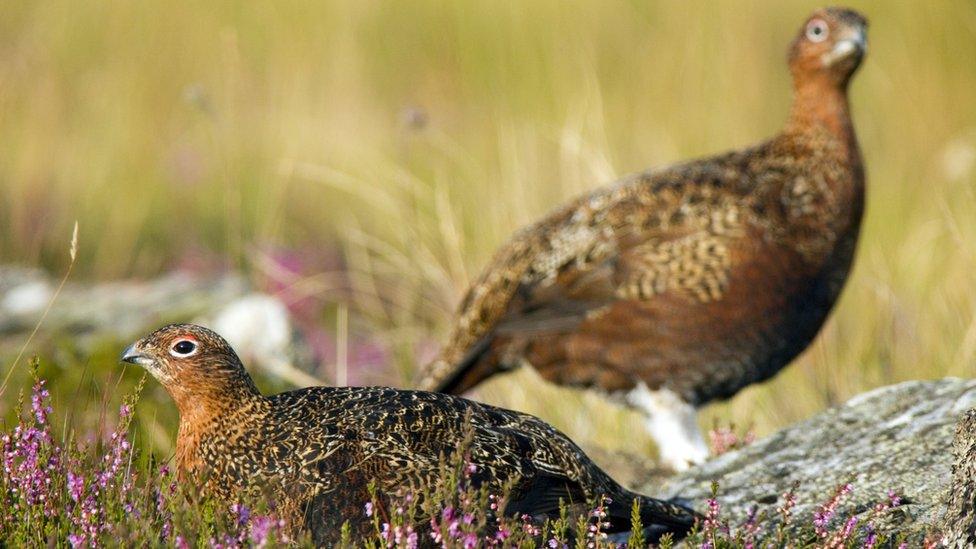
(959, 525)
(119, 311)
(897, 438)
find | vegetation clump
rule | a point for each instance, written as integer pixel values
(61, 490)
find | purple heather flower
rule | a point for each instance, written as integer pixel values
(789, 502)
(529, 527)
(454, 529)
(894, 500)
(39, 397)
(711, 523)
(751, 528)
(242, 513)
(30, 456)
(825, 512)
(871, 539)
(76, 486)
(262, 527)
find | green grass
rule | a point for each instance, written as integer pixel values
(164, 127)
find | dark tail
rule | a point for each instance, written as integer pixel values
(478, 365)
(657, 517)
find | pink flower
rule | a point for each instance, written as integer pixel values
(825, 512)
(76, 486)
(262, 528)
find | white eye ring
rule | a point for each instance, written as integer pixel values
(184, 348)
(817, 30)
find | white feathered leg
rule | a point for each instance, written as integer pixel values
(673, 424)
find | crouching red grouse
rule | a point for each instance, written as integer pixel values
(321, 447)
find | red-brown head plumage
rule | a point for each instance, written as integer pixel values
(828, 48)
(823, 57)
(198, 368)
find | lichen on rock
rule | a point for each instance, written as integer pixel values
(893, 439)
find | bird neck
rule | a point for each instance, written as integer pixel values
(203, 402)
(202, 412)
(818, 104)
(820, 120)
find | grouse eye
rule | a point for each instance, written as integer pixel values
(183, 348)
(817, 30)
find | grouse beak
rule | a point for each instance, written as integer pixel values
(132, 355)
(854, 43)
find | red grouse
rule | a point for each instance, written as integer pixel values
(321, 447)
(678, 286)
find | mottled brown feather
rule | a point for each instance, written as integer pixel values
(700, 278)
(319, 448)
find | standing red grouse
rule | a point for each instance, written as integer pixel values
(678, 286)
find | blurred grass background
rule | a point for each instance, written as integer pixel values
(415, 137)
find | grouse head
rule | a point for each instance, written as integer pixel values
(829, 47)
(196, 365)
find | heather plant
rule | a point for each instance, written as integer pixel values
(55, 491)
(417, 140)
(30, 460)
(828, 528)
(459, 513)
(724, 438)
